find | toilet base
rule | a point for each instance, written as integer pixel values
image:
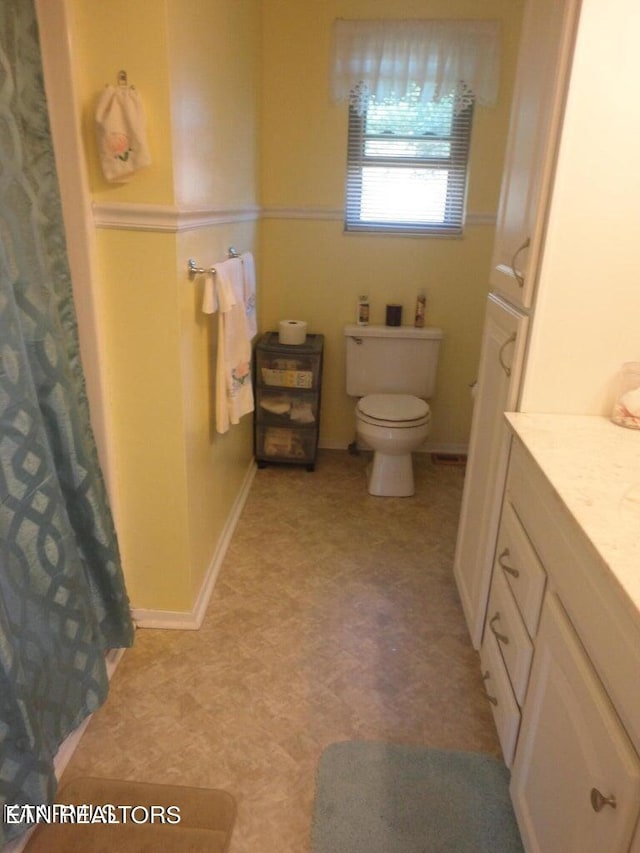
(391, 475)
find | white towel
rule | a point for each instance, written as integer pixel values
(209, 301)
(249, 278)
(234, 392)
(121, 133)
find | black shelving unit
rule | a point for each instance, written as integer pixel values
(288, 380)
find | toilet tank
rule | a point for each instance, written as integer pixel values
(391, 360)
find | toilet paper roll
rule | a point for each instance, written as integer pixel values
(292, 332)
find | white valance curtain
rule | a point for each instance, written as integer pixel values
(385, 58)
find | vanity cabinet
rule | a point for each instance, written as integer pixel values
(288, 380)
(561, 662)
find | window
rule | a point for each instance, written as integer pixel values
(407, 165)
(411, 85)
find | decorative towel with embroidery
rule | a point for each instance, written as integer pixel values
(121, 133)
(249, 277)
(224, 293)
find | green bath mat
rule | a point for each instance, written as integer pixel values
(390, 798)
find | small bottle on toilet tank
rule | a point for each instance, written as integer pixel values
(363, 310)
(421, 307)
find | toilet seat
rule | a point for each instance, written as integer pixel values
(393, 410)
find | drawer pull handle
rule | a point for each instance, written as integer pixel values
(505, 367)
(509, 569)
(485, 677)
(502, 638)
(599, 801)
(517, 275)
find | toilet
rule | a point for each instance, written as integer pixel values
(392, 370)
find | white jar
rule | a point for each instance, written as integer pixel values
(626, 409)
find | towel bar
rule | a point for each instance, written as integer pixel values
(194, 269)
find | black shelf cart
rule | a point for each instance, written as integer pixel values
(288, 380)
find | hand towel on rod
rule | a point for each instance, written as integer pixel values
(209, 301)
(249, 278)
(234, 392)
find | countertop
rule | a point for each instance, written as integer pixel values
(594, 467)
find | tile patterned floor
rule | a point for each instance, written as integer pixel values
(335, 616)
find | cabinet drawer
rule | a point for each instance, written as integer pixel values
(521, 568)
(506, 625)
(287, 373)
(506, 713)
(286, 408)
(281, 366)
(284, 444)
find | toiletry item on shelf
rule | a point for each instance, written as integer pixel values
(363, 310)
(292, 332)
(275, 404)
(626, 409)
(302, 412)
(394, 315)
(421, 307)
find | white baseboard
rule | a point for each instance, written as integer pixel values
(443, 447)
(436, 447)
(191, 620)
(329, 444)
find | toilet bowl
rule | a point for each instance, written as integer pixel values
(391, 372)
(393, 426)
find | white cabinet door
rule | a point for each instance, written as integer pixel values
(500, 368)
(545, 52)
(575, 781)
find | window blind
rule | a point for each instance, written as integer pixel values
(407, 165)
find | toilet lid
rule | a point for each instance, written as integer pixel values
(393, 407)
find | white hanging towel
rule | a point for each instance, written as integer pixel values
(249, 278)
(234, 392)
(209, 299)
(121, 133)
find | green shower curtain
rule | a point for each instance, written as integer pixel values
(62, 596)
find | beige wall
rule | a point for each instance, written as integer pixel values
(214, 51)
(588, 298)
(215, 57)
(310, 269)
(175, 479)
(108, 37)
(238, 113)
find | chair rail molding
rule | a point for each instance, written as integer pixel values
(166, 218)
(169, 219)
